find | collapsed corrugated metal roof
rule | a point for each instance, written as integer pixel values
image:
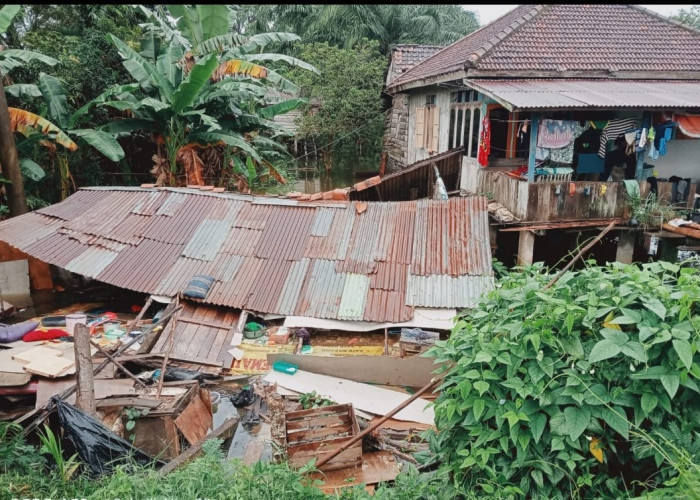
(526, 94)
(324, 260)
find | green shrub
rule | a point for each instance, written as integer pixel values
(543, 380)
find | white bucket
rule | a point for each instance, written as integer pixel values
(74, 319)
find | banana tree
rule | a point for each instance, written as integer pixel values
(57, 109)
(199, 89)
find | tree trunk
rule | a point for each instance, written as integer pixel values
(16, 197)
(85, 397)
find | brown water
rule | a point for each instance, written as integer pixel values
(311, 177)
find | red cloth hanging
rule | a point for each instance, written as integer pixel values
(484, 142)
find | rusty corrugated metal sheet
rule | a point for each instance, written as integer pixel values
(352, 302)
(283, 258)
(585, 94)
(291, 291)
(463, 291)
(207, 240)
(321, 293)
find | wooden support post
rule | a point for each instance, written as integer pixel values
(386, 342)
(526, 248)
(85, 397)
(625, 247)
(534, 126)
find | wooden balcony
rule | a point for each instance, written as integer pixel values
(546, 200)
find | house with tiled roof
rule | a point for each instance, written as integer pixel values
(553, 106)
(403, 58)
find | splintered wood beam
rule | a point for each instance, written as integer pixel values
(693, 233)
(562, 225)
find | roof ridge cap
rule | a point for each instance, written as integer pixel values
(407, 74)
(503, 34)
(661, 17)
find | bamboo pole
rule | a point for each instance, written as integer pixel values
(379, 422)
(580, 254)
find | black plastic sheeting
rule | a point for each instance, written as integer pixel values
(98, 448)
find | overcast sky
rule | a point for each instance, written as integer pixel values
(488, 13)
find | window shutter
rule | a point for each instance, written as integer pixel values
(436, 128)
(420, 128)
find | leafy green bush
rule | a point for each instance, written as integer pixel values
(550, 387)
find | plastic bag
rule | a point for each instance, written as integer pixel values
(98, 448)
(244, 397)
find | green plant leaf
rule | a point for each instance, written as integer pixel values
(538, 422)
(635, 350)
(604, 349)
(7, 13)
(483, 357)
(617, 422)
(55, 98)
(23, 90)
(103, 142)
(648, 402)
(481, 386)
(478, 408)
(655, 306)
(684, 351)
(670, 383)
(576, 420)
(31, 170)
(130, 424)
(143, 72)
(189, 89)
(615, 336)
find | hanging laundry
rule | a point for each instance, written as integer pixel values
(484, 143)
(630, 139)
(662, 146)
(614, 129)
(642, 138)
(653, 152)
(556, 134)
(566, 154)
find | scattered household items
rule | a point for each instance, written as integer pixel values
(288, 368)
(317, 432)
(46, 361)
(50, 334)
(13, 333)
(253, 330)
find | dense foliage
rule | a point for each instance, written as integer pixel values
(345, 107)
(588, 388)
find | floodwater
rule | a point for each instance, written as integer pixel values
(311, 176)
(249, 443)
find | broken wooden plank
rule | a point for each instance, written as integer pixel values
(129, 401)
(103, 388)
(564, 224)
(692, 233)
(210, 324)
(195, 450)
(52, 366)
(376, 467)
(37, 354)
(196, 419)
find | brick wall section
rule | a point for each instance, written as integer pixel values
(396, 130)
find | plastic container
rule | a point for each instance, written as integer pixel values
(74, 319)
(108, 327)
(114, 333)
(282, 367)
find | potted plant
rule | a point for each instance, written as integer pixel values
(649, 213)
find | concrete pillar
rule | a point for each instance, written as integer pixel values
(526, 248)
(625, 247)
(493, 238)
